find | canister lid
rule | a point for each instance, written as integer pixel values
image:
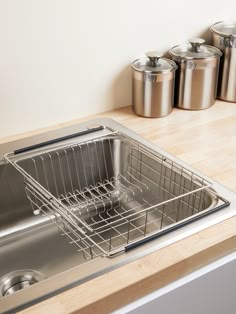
(195, 50)
(225, 29)
(154, 63)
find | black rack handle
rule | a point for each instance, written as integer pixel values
(175, 227)
(56, 140)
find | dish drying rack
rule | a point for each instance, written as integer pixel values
(110, 193)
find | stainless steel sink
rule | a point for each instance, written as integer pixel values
(77, 207)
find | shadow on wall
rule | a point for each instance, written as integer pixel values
(207, 35)
(120, 90)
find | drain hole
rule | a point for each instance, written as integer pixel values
(18, 280)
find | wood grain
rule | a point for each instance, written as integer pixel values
(204, 139)
(125, 284)
(207, 141)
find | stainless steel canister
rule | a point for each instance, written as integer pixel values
(197, 75)
(153, 85)
(224, 38)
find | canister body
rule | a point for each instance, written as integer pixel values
(152, 93)
(196, 83)
(227, 75)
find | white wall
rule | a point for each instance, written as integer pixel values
(63, 59)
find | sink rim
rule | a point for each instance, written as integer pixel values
(30, 162)
(73, 277)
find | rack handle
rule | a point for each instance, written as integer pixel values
(56, 140)
(175, 227)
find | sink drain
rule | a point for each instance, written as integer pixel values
(18, 280)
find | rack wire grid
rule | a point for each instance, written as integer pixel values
(109, 192)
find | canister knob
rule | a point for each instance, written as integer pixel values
(196, 44)
(153, 56)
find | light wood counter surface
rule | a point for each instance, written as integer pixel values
(207, 141)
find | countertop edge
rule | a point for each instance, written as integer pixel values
(129, 282)
(136, 279)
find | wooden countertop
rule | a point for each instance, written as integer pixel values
(207, 141)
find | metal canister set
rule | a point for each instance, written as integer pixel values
(193, 79)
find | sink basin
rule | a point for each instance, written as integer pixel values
(79, 207)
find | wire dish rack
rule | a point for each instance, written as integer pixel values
(110, 194)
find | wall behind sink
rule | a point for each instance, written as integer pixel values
(64, 59)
